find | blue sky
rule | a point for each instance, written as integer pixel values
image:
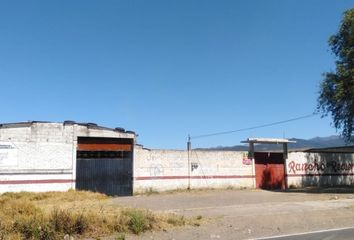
(166, 69)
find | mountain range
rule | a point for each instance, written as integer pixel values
(317, 142)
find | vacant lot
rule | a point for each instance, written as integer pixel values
(245, 214)
(207, 214)
(53, 215)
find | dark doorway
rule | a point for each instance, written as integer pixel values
(270, 172)
(105, 165)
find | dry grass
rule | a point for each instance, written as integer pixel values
(52, 215)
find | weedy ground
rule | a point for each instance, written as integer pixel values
(152, 191)
(52, 215)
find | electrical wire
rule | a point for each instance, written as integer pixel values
(254, 127)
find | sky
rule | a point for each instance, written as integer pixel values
(169, 69)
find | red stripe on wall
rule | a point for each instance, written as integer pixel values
(37, 181)
(320, 175)
(194, 177)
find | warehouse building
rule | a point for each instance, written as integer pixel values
(47, 156)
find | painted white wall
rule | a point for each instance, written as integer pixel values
(320, 169)
(39, 157)
(163, 170)
(42, 156)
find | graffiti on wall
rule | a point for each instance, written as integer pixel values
(246, 160)
(156, 170)
(194, 166)
(8, 155)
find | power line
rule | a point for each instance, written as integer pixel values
(254, 127)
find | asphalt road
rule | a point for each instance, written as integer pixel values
(337, 234)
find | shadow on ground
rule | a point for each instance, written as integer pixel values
(344, 189)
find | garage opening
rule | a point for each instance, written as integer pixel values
(105, 165)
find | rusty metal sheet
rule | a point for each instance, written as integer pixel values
(104, 147)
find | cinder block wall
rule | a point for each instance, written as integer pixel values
(319, 169)
(41, 156)
(36, 157)
(162, 170)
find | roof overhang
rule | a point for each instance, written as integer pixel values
(268, 140)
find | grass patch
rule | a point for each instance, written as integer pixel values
(53, 215)
(138, 222)
(150, 191)
(120, 237)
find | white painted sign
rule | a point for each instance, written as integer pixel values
(8, 154)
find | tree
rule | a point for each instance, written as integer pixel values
(336, 95)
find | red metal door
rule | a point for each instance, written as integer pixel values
(269, 171)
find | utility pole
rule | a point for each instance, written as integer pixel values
(189, 148)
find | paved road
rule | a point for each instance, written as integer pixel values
(247, 214)
(338, 234)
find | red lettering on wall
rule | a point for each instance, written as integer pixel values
(313, 167)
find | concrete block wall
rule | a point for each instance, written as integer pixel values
(41, 156)
(163, 170)
(36, 157)
(319, 169)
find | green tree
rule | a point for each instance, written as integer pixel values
(336, 95)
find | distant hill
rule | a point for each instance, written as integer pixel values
(317, 142)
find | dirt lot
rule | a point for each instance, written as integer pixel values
(247, 214)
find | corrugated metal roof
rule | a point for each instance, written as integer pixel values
(342, 149)
(268, 140)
